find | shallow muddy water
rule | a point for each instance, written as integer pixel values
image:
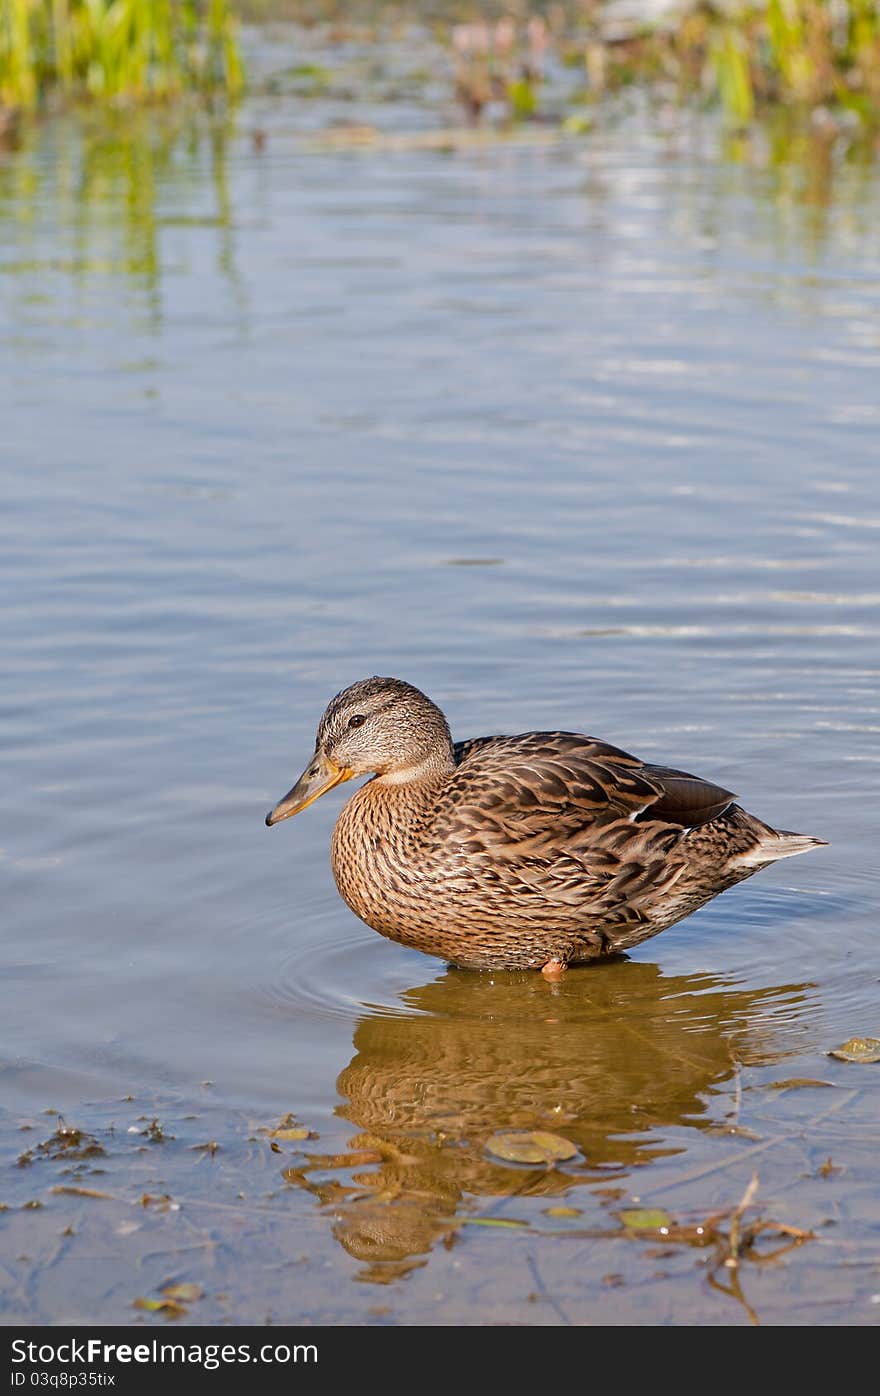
(575, 434)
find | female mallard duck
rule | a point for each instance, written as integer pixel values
(529, 852)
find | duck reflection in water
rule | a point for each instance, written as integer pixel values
(612, 1060)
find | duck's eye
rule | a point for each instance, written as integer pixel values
(357, 721)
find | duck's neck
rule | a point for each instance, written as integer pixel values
(431, 771)
(395, 805)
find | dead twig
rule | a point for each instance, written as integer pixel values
(733, 1233)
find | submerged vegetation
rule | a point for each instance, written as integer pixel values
(115, 50)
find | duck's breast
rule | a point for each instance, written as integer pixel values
(379, 868)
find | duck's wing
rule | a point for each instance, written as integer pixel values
(685, 799)
(567, 821)
(545, 790)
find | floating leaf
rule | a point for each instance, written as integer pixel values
(857, 1049)
(645, 1219)
(69, 1191)
(577, 124)
(183, 1293)
(563, 1212)
(168, 1307)
(534, 1146)
(796, 1083)
(491, 1221)
(289, 1128)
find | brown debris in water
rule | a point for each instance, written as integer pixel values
(67, 1142)
(185, 1293)
(857, 1049)
(175, 1297)
(288, 1129)
(797, 1083)
(65, 1190)
(163, 1202)
(168, 1307)
(155, 1132)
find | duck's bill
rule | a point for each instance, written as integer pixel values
(314, 782)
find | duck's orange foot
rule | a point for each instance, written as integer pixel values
(554, 969)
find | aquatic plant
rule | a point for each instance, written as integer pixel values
(748, 55)
(500, 63)
(806, 53)
(118, 51)
(754, 54)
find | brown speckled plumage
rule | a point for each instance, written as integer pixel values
(512, 852)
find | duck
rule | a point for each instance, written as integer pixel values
(531, 852)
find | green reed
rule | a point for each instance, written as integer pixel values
(117, 51)
(750, 55)
(795, 53)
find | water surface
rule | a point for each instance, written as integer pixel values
(575, 434)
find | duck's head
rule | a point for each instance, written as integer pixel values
(382, 727)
